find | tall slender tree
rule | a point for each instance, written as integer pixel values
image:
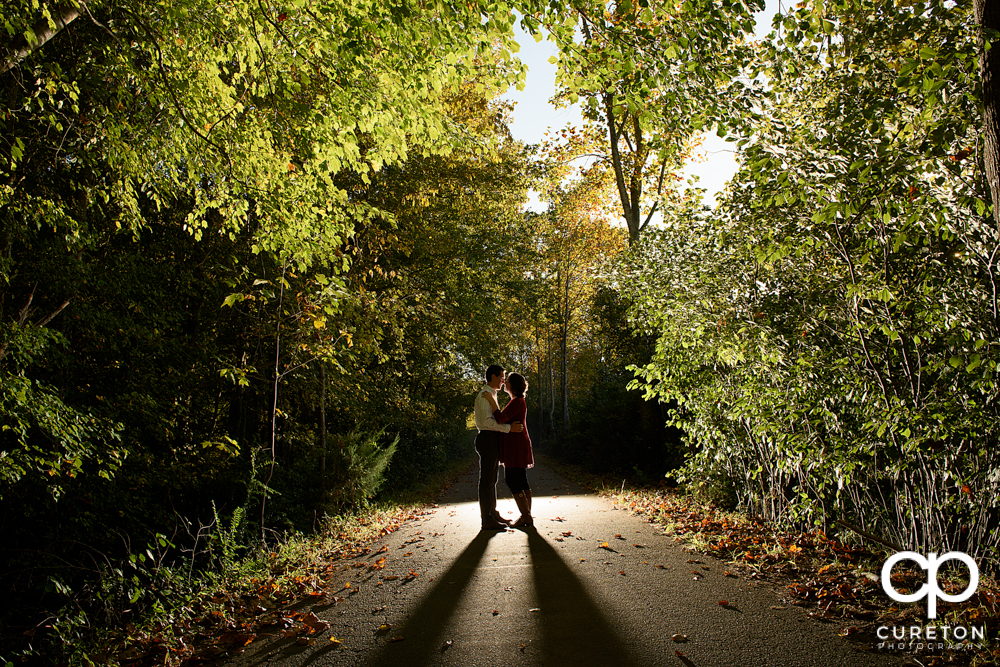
(988, 18)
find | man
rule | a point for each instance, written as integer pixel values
(488, 448)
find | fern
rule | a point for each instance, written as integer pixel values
(360, 467)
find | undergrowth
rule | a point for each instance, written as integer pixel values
(206, 614)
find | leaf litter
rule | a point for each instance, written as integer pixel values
(834, 579)
(224, 621)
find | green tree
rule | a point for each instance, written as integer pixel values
(161, 161)
(828, 333)
(650, 76)
(243, 118)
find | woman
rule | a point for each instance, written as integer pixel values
(515, 448)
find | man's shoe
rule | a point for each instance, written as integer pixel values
(494, 525)
(500, 519)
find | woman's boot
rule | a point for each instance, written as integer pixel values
(523, 500)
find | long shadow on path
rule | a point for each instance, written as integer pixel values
(574, 630)
(424, 631)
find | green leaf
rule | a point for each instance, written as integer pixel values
(975, 361)
(233, 299)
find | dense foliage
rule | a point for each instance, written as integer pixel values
(830, 331)
(250, 257)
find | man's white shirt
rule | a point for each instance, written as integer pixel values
(484, 413)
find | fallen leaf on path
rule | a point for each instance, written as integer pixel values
(334, 640)
(447, 644)
(723, 603)
(679, 654)
(534, 609)
(237, 638)
(397, 639)
(680, 638)
(496, 612)
(315, 622)
(568, 533)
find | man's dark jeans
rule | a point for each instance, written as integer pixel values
(488, 448)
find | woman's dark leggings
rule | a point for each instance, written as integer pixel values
(517, 479)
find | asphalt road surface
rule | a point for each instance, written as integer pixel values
(590, 585)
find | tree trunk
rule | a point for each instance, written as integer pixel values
(625, 196)
(988, 16)
(322, 423)
(21, 47)
(552, 387)
(540, 389)
(564, 343)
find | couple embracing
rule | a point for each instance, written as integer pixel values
(503, 438)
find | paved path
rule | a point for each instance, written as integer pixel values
(553, 596)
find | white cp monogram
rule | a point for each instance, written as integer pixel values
(930, 590)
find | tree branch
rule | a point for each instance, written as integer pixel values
(44, 31)
(864, 533)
